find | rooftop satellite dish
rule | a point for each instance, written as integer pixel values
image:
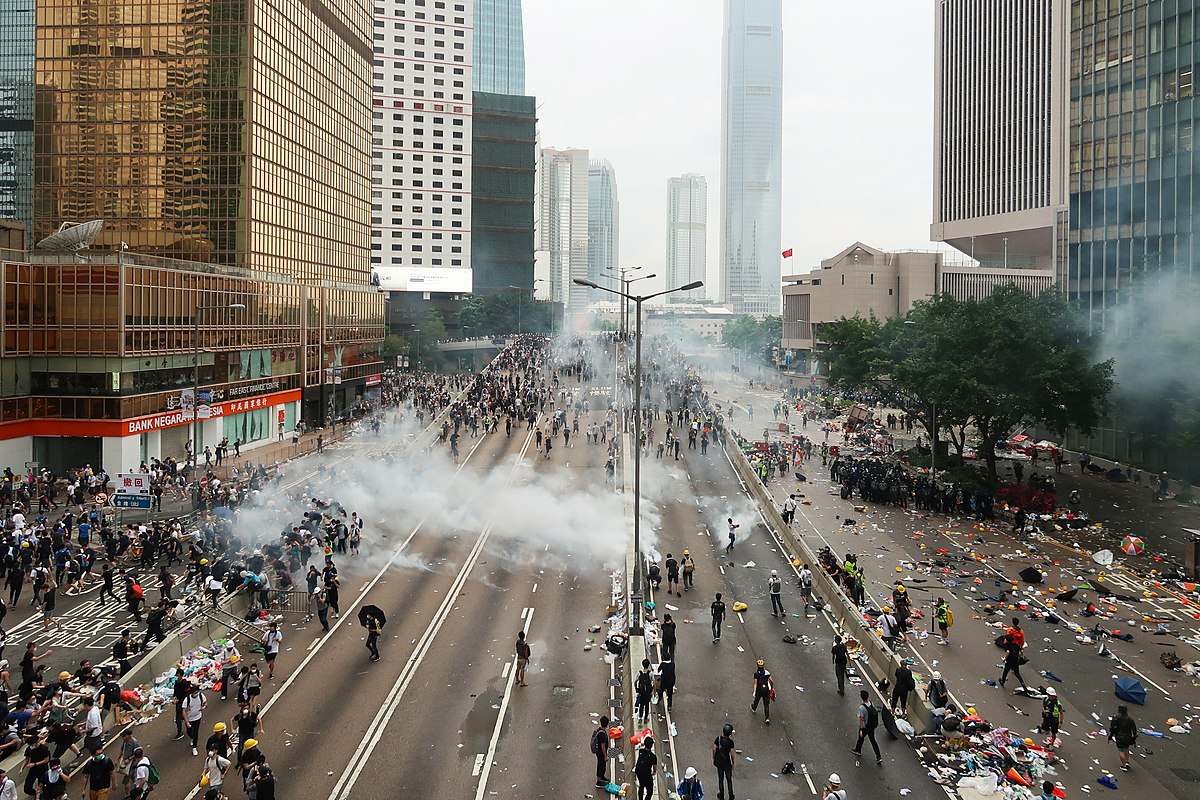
(72, 236)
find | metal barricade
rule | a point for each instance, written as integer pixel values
(292, 601)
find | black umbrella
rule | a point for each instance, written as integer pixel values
(366, 612)
(1068, 595)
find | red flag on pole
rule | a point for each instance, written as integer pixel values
(787, 253)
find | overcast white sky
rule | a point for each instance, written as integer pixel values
(639, 82)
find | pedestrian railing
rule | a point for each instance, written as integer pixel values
(291, 601)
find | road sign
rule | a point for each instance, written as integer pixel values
(131, 501)
(133, 483)
(100, 499)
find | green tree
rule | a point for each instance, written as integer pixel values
(988, 365)
(394, 345)
(754, 337)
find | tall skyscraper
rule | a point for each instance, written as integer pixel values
(16, 112)
(1001, 130)
(603, 222)
(751, 156)
(563, 225)
(230, 167)
(1135, 175)
(499, 47)
(687, 234)
(421, 155)
(504, 168)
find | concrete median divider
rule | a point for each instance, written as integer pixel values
(881, 661)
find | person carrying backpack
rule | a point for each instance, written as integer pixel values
(1052, 716)
(599, 747)
(688, 567)
(764, 689)
(722, 754)
(868, 721)
(643, 688)
(938, 696)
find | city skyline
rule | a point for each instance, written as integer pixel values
(861, 170)
(687, 233)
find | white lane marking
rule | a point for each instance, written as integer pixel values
(524, 611)
(504, 674)
(741, 618)
(479, 759)
(320, 642)
(807, 777)
(495, 742)
(534, 589)
(374, 734)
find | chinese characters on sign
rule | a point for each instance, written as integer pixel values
(133, 483)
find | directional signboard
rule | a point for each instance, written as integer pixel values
(131, 501)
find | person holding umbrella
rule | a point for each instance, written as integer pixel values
(372, 618)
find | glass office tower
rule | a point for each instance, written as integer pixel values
(499, 47)
(751, 156)
(16, 111)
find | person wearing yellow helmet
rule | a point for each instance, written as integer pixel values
(764, 690)
(219, 743)
(687, 566)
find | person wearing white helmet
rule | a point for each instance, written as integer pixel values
(690, 787)
(833, 788)
(1052, 715)
(774, 587)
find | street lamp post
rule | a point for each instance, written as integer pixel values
(196, 379)
(636, 584)
(417, 352)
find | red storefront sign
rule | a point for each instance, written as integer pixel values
(170, 419)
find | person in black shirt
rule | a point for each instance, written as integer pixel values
(644, 769)
(722, 755)
(37, 760)
(718, 616)
(247, 723)
(27, 661)
(841, 657)
(101, 772)
(62, 736)
(121, 652)
(182, 688)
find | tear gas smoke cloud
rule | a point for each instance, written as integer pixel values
(545, 516)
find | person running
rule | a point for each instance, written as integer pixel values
(841, 658)
(101, 775)
(248, 725)
(764, 689)
(1012, 662)
(868, 721)
(718, 616)
(732, 535)
(775, 589)
(523, 655)
(688, 567)
(599, 747)
(1123, 732)
(806, 584)
(271, 642)
(672, 566)
(722, 755)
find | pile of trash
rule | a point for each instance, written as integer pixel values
(199, 666)
(994, 763)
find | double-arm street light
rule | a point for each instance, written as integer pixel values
(636, 584)
(196, 378)
(623, 323)
(933, 437)
(521, 290)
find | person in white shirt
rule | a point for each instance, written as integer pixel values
(93, 729)
(271, 643)
(789, 509)
(215, 767)
(140, 783)
(8, 789)
(193, 711)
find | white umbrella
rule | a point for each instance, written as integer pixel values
(1103, 557)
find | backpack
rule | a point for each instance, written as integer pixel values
(644, 684)
(872, 721)
(949, 618)
(138, 592)
(596, 746)
(152, 776)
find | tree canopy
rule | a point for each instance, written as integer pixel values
(989, 365)
(752, 336)
(502, 314)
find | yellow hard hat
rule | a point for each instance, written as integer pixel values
(203, 561)
(901, 589)
(762, 663)
(971, 710)
(887, 609)
(1028, 742)
(24, 545)
(687, 552)
(220, 726)
(233, 659)
(251, 743)
(64, 675)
